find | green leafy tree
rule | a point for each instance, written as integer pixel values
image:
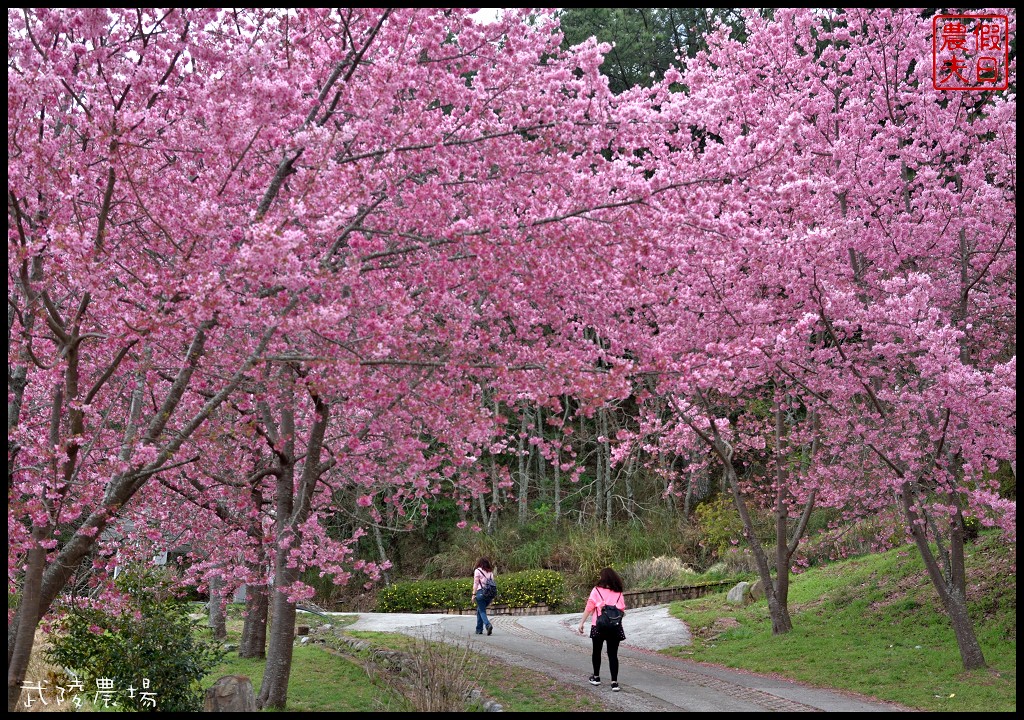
(152, 639)
(645, 41)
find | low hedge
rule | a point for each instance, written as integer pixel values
(521, 589)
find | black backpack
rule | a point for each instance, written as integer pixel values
(610, 619)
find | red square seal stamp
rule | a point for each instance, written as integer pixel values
(970, 52)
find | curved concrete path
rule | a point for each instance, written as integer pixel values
(650, 682)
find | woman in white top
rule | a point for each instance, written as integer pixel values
(482, 574)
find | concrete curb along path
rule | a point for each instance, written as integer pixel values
(650, 682)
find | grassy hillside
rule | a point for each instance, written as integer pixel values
(874, 625)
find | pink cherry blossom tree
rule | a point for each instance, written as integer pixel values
(348, 224)
(845, 260)
(119, 284)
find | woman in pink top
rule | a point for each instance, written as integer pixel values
(608, 591)
(481, 574)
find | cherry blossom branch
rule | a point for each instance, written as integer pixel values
(984, 271)
(177, 389)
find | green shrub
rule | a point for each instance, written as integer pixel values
(522, 589)
(720, 524)
(152, 640)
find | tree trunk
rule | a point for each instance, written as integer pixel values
(254, 630)
(558, 484)
(630, 469)
(492, 515)
(785, 545)
(44, 581)
(703, 487)
(779, 613)
(384, 561)
(950, 586)
(293, 506)
(278, 670)
(541, 474)
(598, 474)
(607, 452)
(217, 618)
(691, 486)
(485, 521)
(782, 553)
(26, 619)
(524, 476)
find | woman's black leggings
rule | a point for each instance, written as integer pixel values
(613, 657)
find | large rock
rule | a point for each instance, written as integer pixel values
(757, 591)
(740, 593)
(231, 693)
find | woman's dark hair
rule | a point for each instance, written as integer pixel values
(484, 564)
(611, 580)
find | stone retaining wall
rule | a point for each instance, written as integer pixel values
(643, 598)
(495, 610)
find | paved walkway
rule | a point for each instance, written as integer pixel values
(650, 682)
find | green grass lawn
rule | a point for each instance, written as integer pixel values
(320, 681)
(332, 678)
(874, 625)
